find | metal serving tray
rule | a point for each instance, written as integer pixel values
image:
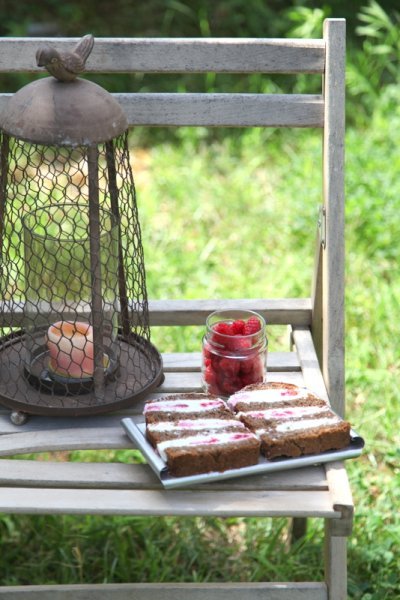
(136, 432)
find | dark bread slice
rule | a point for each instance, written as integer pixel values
(193, 460)
(198, 448)
(277, 394)
(312, 441)
(303, 425)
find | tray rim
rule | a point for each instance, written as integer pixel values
(136, 432)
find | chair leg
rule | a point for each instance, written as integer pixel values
(299, 528)
(335, 564)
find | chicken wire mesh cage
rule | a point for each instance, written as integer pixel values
(75, 335)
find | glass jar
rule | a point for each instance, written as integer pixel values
(234, 352)
(59, 340)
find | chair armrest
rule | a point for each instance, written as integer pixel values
(342, 501)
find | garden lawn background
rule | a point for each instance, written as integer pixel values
(234, 215)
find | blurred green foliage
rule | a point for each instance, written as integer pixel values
(373, 40)
(174, 18)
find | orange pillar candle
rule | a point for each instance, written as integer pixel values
(70, 346)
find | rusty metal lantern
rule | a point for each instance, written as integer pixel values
(75, 337)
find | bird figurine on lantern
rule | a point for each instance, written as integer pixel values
(65, 66)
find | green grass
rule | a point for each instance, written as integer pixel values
(221, 219)
(237, 218)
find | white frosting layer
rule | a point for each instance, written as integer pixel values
(297, 412)
(181, 405)
(197, 424)
(307, 424)
(203, 440)
(269, 396)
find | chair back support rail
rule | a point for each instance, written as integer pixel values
(316, 322)
(322, 56)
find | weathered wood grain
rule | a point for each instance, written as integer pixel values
(191, 381)
(169, 591)
(335, 564)
(333, 185)
(223, 110)
(191, 361)
(175, 382)
(197, 502)
(101, 475)
(176, 55)
(317, 292)
(276, 311)
(76, 438)
(217, 110)
(342, 500)
(308, 359)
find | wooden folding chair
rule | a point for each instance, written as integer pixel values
(315, 359)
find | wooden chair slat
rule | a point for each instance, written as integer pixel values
(191, 361)
(102, 432)
(277, 311)
(218, 110)
(100, 475)
(223, 110)
(169, 591)
(341, 496)
(175, 382)
(309, 362)
(191, 381)
(172, 502)
(176, 55)
(64, 439)
(331, 354)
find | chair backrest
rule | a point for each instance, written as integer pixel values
(324, 56)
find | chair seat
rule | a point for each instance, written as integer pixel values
(103, 488)
(47, 487)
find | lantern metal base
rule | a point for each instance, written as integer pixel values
(139, 372)
(41, 377)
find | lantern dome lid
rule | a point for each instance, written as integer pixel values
(61, 113)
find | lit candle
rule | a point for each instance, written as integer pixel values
(70, 346)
